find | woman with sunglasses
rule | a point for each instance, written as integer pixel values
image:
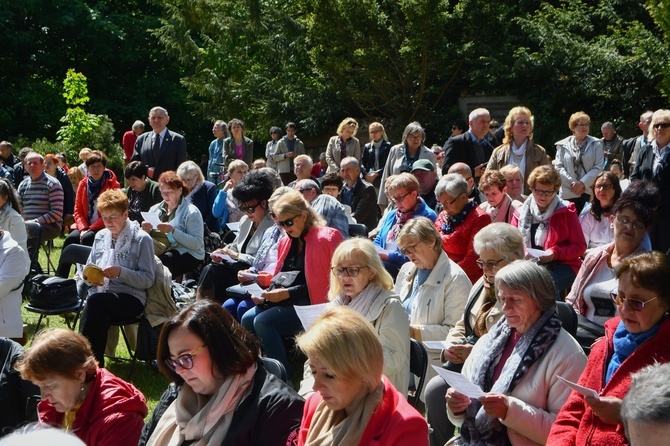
(252, 192)
(551, 225)
(595, 218)
(497, 245)
(222, 394)
(653, 164)
(579, 159)
(433, 289)
(307, 249)
(631, 216)
(359, 281)
(178, 238)
(633, 340)
(404, 192)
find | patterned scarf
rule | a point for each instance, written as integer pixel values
(93, 189)
(113, 251)
(400, 220)
(530, 214)
(577, 151)
(343, 147)
(478, 428)
(453, 221)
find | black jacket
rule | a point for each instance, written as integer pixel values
(14, 391)
(364, 204)
(268, 415)
(461, 149)
(368, 160)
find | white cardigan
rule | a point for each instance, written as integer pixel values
(439, 304)
(592, 160)
(14, 265)
(539, 396)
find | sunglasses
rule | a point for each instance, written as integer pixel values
(248, 209)
(286, 223)
(184, 361)
(350, 271)
(661, 125)
(633, 304)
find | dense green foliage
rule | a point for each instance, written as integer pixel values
(316, 61)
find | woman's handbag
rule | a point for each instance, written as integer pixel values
(282, 280)
(52, 292)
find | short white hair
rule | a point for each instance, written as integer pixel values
(477, 112)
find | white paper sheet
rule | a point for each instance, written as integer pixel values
(460, 383)
(235, 227)
(217, 256)
(437, 345)
(537, 253)
(579, 389)
(151, 218)
(309, 313)
(254, 289)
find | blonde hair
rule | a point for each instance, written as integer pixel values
(113, 200)
(237, 164)
(346, 344)
(379, 126)
(419, 229)
(293, 203)
(363, 249)
(661, 113)
(404, 181)
(572, 122)
(511, 118)
(347, 122)
(545, 175)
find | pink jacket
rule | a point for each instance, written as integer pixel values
(320, 244)
(394, 422)
(565, 237)
(576, 424)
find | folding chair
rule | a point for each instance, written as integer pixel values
(132, 352)
(276, 368)
(71, 254)
(418, 364)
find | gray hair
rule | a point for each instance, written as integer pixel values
(138, 124)
(420, 229)
(159, 109)
(413, 127)
(608, 125)
(307, 185)
(502, 238)
(350, 161)
(648, 399)
(477, 112)
(453, 184)
(273, 175)
(531, 279)
(190, 168)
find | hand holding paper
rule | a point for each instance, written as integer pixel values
(460, 383)
(580, 389)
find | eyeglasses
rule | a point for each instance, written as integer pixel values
(624, 221)
(248, 209)
(400, 198)
(544, 193)
(490, 264)
(604, 187)
(446, 202)
(415, 137)
(661, 125)
(408, 249)
(350, 271)
(286, 223)
(184, 361)
(494, 126)
(633, 304)
(304, 190)
(583, 124)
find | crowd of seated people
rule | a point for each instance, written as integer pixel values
(457, 276)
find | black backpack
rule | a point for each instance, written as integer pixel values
(52, 292)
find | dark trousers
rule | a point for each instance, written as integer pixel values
(74, 238)
(287, 177)
(100, 311)
(215, 278)
(179, 264)
(436, 411)
(49, 232)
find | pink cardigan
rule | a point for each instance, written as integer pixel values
(320, 244)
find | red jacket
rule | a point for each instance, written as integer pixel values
(81, 203)
(128, 143)
(112, 414)
(459, 244)
(576, 424)
(394, 423)
(320, 244)
(565, 237)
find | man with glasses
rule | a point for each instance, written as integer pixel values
(472, 147)
(302, 167)
(326, 206)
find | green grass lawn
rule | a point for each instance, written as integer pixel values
(146, 378)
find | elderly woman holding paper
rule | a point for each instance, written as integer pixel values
(123, 256)
(635, 339)
(359, 281)
(517, 364)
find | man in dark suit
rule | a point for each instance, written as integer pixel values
(472, 147)
(653, 164)
(375, 153)
(632, 146)
(358, 194)
(161, 149)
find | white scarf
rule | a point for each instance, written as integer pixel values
(194, 417)
(113, 251)
(363, 302)
(530, 214)
(517, 156)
